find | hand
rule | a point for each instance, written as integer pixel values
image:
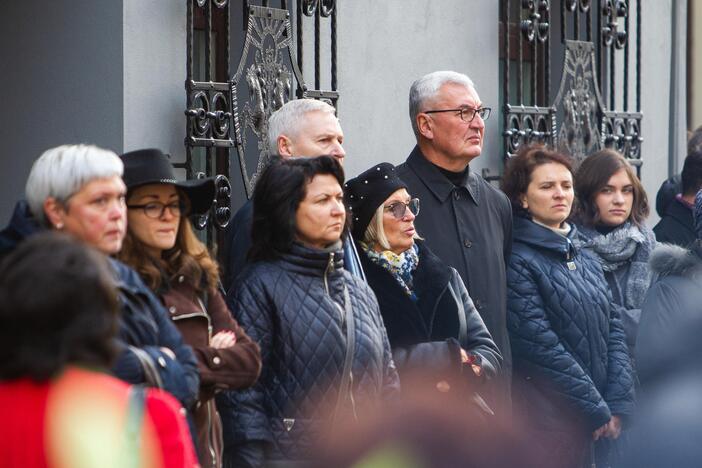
(223, 339)
(168, 352)
(473, 361)
(600, 432)
(614, 427)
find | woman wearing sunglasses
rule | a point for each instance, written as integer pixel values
(431, 322)
(160, 244)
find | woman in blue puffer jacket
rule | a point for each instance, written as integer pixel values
(326, 356)
(572, 371)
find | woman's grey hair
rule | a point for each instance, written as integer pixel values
(375, 232)
(426, 87)
(62, 171)
(286, 120)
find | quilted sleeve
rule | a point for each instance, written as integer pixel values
(539, 348)
(619, 393)
(244, 414)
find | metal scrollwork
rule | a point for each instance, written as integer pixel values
(223, 200)
(198, 114)
(528, 125)
(326, 7)
(201, 3)
(578, 101)
(269, 81)
(534, 26)
(584, 5)
(612, 10)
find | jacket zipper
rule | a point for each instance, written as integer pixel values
(330, 268)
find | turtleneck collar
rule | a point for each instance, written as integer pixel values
(314, 262)
(564, 230)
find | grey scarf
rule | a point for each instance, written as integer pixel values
(623, 254)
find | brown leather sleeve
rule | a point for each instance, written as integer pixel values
(231, 368)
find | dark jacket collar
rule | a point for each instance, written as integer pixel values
(528, 232)
(314, 262)
(680, 212)
(398, 310)
(22, 225)
(437, 183)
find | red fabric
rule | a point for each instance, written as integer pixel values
(172, 428)
(22, 405)
(81, 417)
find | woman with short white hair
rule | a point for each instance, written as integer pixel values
(78, 189)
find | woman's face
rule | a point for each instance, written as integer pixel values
(155, 233)
(615, 200)
(398, 231)
(549, 196)
(96, 214)
(320, 217)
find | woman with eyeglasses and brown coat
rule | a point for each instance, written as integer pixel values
(433, 327)
(160, 244)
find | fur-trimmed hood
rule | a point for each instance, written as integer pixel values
(669, 259)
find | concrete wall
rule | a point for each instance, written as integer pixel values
(695, 45)
(61, 82)
(385, 45)
(154, 75)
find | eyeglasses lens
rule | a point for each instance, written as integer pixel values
(399, 210)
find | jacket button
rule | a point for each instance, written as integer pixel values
(181, 278)
(467, 243)
(161, 361)
(216, 360)
(172, 309)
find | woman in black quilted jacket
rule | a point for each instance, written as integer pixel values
(433, 327)
(325, 352)
(572, 373)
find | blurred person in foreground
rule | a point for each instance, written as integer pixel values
(60, 406)
(431, 321)
(78, 189)
(426, 431)
(572, 372)
(324, 348)
(668, 428)
(162, 247)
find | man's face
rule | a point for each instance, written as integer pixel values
(450, 136)
(319, 134)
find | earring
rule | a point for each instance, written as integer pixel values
(59, 225)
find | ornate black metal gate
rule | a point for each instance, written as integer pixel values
(587, 47)
(228, 108)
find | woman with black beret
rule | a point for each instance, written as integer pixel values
(432, 324)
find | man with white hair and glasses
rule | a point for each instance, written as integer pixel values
(301, 127)
(466, 221)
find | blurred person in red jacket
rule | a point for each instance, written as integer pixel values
(61, 408)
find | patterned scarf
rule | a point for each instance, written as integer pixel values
(623, 253)
(401, 266)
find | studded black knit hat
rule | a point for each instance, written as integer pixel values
(365, 193)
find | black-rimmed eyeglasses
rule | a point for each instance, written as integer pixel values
(467, 113)
(155, 210)
(399, 209)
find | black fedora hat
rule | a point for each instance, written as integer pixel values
(151, 166)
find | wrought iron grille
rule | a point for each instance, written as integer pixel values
(561, 81)
(228, 108)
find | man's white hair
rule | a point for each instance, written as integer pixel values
(62, 171)
(286, 120)
(426, 88)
